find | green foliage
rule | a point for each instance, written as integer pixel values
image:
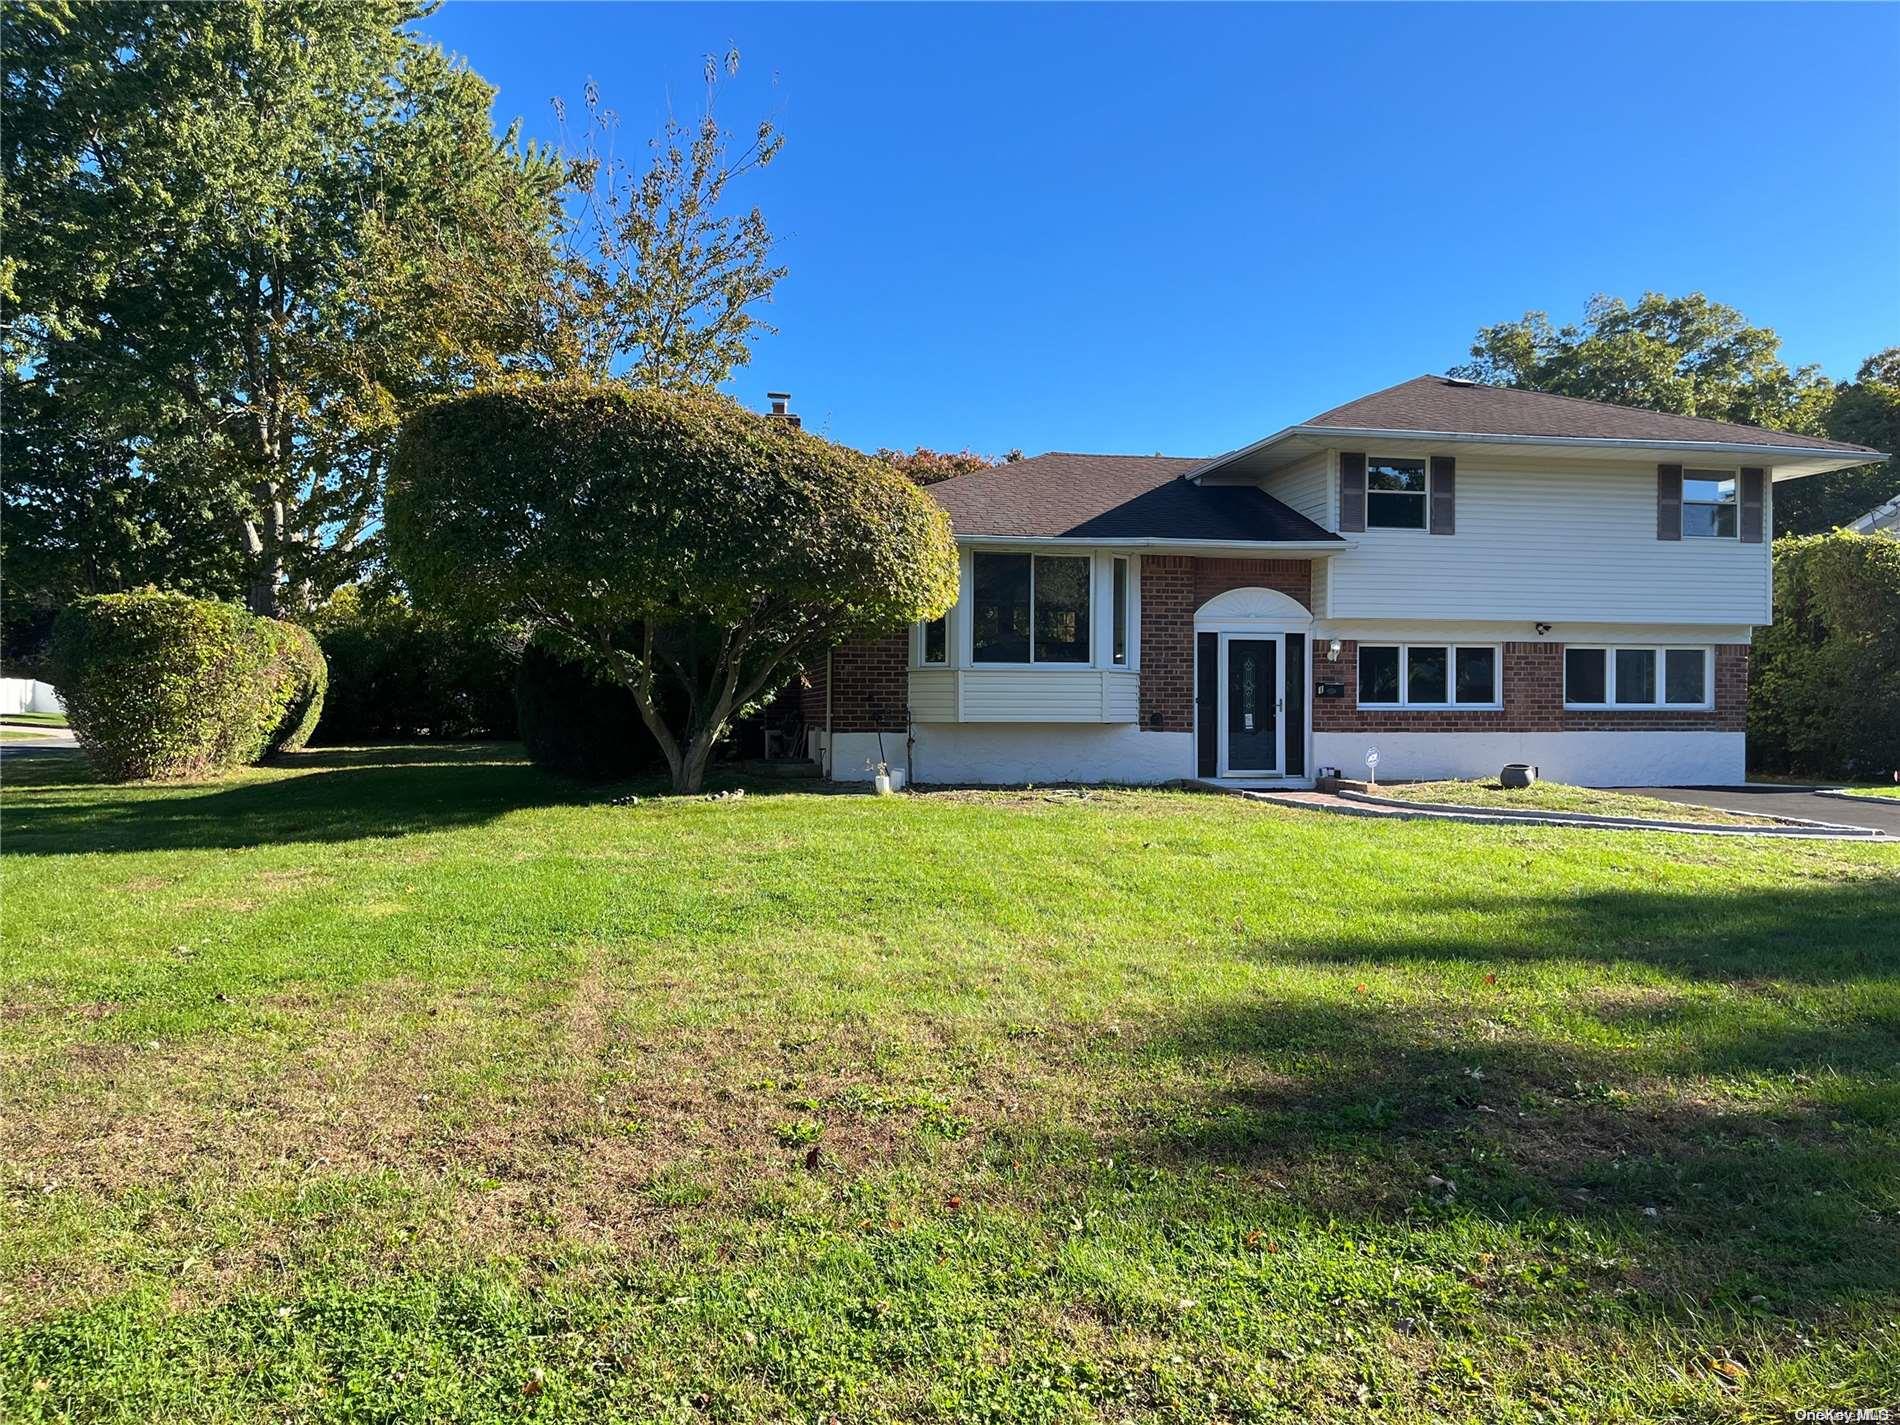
(304, 677)
(397, 672)
(1824, 698)
(924, 466)
(160, 685)
(665, 539)
(243, 241)
(1686, 355)
(577, 723)
(1865, 411)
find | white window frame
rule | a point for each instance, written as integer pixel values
(1660, 670)
(1451, 647)
(960, 630)
(1703, 472)
(1425, 503)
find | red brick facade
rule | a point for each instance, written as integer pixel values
(873, 688)
(1533, 699)
(1173, 586)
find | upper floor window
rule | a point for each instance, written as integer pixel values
(1708, 504)
(1029, 608)
(1395, 493)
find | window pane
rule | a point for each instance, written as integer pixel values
(937, 641)
(1396, 475)
(1683, 675)
(1708, 487)
(1708, 504)
(1477, 675)
(1636, 675)
(1708, 521)
(1425, 675)
(1062, 609)
(1386, 510)
(999, 608)
(1583, 675)
(1121, 612)
(1378, 675)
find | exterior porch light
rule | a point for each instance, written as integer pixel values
(1332, 651)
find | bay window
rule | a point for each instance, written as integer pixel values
(1622, 678)
(1041, 609)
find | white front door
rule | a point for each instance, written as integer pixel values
(1252, 703)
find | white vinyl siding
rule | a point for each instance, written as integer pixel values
(1307, 486)
(1552, 540)
(1024, 695)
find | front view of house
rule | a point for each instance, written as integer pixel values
(1454, 575)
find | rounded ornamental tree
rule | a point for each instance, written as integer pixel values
(662, 538)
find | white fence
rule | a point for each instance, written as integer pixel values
(28, 695)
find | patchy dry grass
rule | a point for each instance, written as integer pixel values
(1560, 796)
(413, 1084)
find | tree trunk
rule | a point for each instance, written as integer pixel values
(267, 548)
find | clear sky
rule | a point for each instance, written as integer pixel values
(1177, 229)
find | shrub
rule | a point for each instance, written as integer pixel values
(161, 685)
(305, 678)
(577, 723)
(1824, 698)
(398, 673)
(732, 545)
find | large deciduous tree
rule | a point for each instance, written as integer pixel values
(246, 239)
(693, 551)
(1694, 357)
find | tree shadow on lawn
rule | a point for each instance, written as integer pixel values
(1722, 1195)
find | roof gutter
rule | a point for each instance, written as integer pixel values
(1224, 546)
(1707, 447)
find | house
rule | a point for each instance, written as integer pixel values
(1453, 574)
(1881, 519)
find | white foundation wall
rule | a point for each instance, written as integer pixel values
(1585, 759)
(1008, 754)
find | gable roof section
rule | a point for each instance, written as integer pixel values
(1116, 498)
(1454, 407)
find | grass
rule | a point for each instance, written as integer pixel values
(1873, 791)
(33, 719)
(14, 734)
(413, 1084)
(1558, 796)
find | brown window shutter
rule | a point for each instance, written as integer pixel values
(1444, 495)
(1753, 480)
(1669, 502)
(1352, 493)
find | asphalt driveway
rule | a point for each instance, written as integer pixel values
(1766, 799)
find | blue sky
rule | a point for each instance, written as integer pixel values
(1176, 229)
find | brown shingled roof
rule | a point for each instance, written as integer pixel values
(1115, 497)
(1440, 403)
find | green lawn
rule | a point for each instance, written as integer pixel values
(20, 734)
(414, 1085)
(1559, 796)
(1874, 791)
(32, 719)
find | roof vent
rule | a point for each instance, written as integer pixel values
(1459, 381)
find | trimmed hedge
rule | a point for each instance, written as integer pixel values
(577, 725)
(161, 685)
(1824, 681)
(397, 673)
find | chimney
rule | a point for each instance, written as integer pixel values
(781, 408)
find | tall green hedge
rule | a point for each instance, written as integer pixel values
(399, 673)
(1824, 694)
(160, 685)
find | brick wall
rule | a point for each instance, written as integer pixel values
(1533, 699)
(1173, 586)
(872, 690)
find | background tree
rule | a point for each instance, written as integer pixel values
(924, 466)
(1693, 357)
(659, 276)
(692, 551)
(246, 239)
(1865, 411)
